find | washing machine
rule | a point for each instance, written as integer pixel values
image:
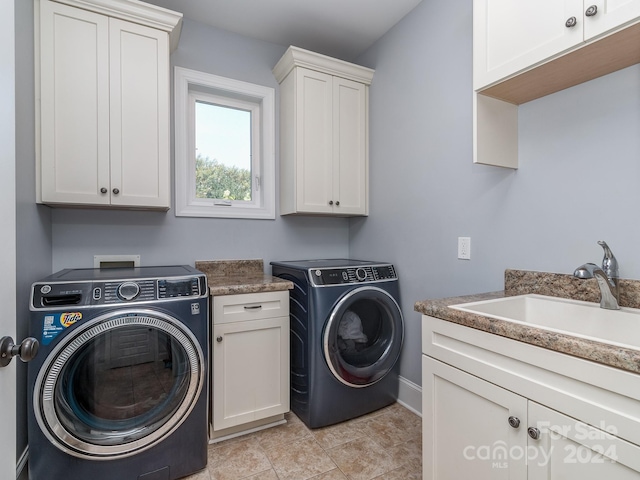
(346, 336)
(118, 389)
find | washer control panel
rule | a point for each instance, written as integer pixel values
(347, 275)
(56, 295)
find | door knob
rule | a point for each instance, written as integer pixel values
(533, 433)
(571, 22)
(103, 190)
(116, 191)
(591, 11)
(514, 422)
(219, 339)
(27, 350)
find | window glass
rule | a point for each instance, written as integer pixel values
(223, 152)
(225, 147)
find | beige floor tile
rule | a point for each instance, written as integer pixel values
(362, 459)
(299, 460)
(268, 475)
(292, 431)
(402, 473)
(236, 460)
(335, 435)
(334, 474)
(384, 432)
(409, 454)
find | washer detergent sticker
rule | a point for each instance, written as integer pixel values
(57, 323)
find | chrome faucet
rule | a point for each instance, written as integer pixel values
(607, 277)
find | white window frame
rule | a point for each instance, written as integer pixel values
(191, 85)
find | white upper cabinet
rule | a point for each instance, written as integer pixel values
(324, 118)
(104, 105)
(523, 50)
(608, 15)
(512, 36)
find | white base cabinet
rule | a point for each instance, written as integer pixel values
(495, 408)
(250, 357)
(103, 115)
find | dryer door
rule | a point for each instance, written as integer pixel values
(119, 385)
(363, 336)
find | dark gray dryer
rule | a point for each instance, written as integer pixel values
(346, 336)
(118, 389)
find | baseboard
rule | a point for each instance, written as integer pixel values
(21, 468)
(410, 395)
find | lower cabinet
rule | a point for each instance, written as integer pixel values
(474, 428)
(250, 355)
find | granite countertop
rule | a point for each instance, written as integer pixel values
(557, 285)
(232, 277)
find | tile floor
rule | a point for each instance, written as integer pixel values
(383, 445)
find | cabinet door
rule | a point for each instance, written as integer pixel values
(568, 448)
(350, 145)
(509, 36)
(610, 14)
(139, 115)
(466, 430)
(74, 110)
(250, 371)
(314, 148)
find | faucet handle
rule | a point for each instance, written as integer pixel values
(609, 262)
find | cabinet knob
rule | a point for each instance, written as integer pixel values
(571, 22)
(116, 191)
(330, 202)
(533, 433)
(514, 421)
(219, 339)
(338, 203)
(591, 11)
(103, 190)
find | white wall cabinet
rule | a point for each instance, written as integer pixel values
(526, 50)
(103, 106)
(250, 355)
(492, 410)
(324, 119)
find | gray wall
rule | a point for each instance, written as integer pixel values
(33, 229)
(162, 238)
(577, 182)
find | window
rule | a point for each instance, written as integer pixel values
(225, 141)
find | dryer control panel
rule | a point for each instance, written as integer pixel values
(321, 277)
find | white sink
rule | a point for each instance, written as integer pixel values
(570, 317)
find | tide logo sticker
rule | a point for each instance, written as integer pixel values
(69, 318)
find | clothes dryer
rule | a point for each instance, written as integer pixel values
(347, 332)
(119, 386)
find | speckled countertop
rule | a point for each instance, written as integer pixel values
(231, 277)
(521, 282)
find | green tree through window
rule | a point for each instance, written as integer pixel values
(219, 181)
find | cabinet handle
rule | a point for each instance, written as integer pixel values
(533, 433)
(514, 421)
(219, 339)
(330, 202)
(338, 203)
(571, 22)
(591, 11)
(253, 307)
(103, 190)
(116, 191)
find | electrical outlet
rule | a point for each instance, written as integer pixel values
(464, 248)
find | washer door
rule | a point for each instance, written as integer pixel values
(363, 336)
(119, 385)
